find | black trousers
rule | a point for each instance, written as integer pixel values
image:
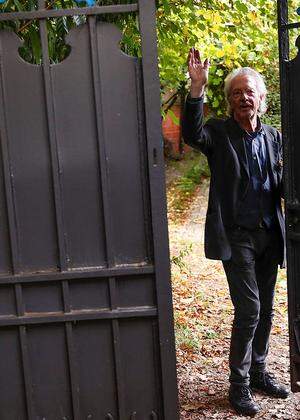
(251, 273)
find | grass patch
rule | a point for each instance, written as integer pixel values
(185, 338)
(189, 181)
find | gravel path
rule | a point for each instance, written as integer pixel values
(203, 316)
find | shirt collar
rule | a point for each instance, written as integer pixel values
(236, 131)
(257, 132)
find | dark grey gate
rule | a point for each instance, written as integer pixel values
(86, 328)
(290, 108)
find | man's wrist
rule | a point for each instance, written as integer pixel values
(197, 90)
(194, 100)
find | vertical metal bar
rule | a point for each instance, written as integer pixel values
(113, 293)
(117, 351)
(157, 364)
(8, 176)
(56, 167)
(66, 296)
(19, 299)
(25, 355)
(101, 140)
(158, 207)
(118, 367)
(72, 360)
(26, 372)
(73, 372)
(283, 41)
(143, 157)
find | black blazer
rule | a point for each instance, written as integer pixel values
(222, 142)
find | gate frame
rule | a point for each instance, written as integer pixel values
(147, 24)
(291, 204)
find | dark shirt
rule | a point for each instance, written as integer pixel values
(258, 206)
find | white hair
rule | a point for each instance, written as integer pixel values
(260, 84)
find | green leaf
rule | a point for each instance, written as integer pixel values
(19, 6)
(241, 6)
(36, 46)
(215, 103)
(173, 117)
(166, 5)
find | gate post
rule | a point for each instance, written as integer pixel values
(147, 22)
(290, 109)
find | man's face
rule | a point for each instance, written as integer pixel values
(244, 98)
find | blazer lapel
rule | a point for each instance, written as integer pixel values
(272, 155)
(236, 138)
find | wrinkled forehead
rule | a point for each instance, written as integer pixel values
(243, 82)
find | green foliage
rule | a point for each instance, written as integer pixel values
(189, 181)
(232, 33)
(58, 28)
(272, 116)
(28, 31)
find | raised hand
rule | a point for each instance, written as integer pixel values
(198, 72)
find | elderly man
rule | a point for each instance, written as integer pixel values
(244, 223)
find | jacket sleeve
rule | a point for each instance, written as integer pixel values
(195, 133)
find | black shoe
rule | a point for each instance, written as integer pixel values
(240, 397)
(264, 381)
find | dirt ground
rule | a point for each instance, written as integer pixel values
(203, 315)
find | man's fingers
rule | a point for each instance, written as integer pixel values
(206, 63)
(194, 60)
(189, 58)
(198, 57)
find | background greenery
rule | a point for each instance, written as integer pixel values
(232, 33)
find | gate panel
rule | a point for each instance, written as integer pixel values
(96, 360)
(28, 157)
(119, 99)
(49, 369)
(139, 368)
(76, 134)
(12, 397)
(119, 139)
(290, 108)
(85, 281)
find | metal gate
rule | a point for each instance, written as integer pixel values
(86, 329)
(290, 109)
